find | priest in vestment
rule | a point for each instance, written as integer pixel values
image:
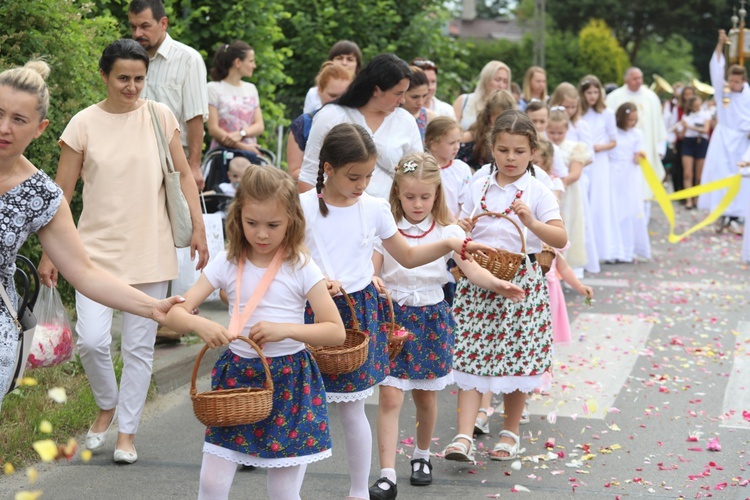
(729, 141)
(650, 122)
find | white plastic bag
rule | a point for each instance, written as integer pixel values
(53, 339)
(186, 267)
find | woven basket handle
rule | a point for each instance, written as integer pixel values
(393, 311)
(498, 214)
(355, 321)
(269, 380)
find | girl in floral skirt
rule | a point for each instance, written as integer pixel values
(502, 346)
(265, 229)
(424, 364)
(343, 225)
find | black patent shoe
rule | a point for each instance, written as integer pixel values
(419, 477)
(378, 493)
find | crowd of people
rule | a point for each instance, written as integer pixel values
(388, 189)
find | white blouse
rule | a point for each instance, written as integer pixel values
(423, 285)
(396, 136)
(347, 237)
(498, 232)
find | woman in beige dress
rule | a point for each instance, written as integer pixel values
(125, 229)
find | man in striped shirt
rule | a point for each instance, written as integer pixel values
(176, 76)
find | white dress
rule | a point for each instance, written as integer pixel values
(571, 205)
(729, 142)
(603, 215)
(579, 132)
(625, 178)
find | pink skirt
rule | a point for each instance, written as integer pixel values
(558, 309)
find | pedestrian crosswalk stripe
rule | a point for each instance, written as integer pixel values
(589, 373)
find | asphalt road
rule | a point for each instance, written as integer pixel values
(659, 366)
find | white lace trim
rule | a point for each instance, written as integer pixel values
(497, 385)
(436, 384)
(347, 397)
(269, 463)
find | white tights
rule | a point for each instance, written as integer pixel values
(217, 474)
(358, 442)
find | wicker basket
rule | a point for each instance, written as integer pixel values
(395, 343)
(545, 258)
(228, 407)
(502, 264)
(337, 360)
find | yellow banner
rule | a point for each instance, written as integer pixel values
(731, 184)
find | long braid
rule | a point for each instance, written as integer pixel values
(319, 189)
(530, 169)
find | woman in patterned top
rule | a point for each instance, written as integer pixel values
(31, 203)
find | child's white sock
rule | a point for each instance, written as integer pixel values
(284, 483)
(216, 477)
(389, 474)
(423, 454)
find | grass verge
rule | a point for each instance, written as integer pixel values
(25, 408)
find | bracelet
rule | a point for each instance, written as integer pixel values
(463, 248)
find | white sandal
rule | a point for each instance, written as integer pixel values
(512, 450)
(458, 451)
(482, 427)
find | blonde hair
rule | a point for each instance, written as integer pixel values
(260, 184)
(481, 93)
(421, 167)
(547, 152)
(566, 91)
(558, 115)
(31, 79)
(331, 71)
(439, 128)
(527, 83)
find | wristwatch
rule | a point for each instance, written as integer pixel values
(243, 134)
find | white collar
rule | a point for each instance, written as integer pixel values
(423, 226)
(164, 47)
(520, 184)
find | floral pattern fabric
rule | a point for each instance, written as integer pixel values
(428, 355)
(298, 424)
(498, 338)
(369, 311)
(24, 210)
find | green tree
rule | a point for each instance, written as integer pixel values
(408, 28)
(58, 31)
(671, 58)
(636, 22)
(600, 54)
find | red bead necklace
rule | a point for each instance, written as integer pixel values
(420, 235)
(483, 199)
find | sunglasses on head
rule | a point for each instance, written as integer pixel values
(425, 64)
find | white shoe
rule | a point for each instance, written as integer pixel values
(95, 440)
(125, 457)
(525, 418)
(482, 427)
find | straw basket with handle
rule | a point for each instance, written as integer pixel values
(545, 258)
(227, 407)
(397, 334)
(503, 264)
(337, 360)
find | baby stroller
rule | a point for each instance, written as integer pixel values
(215, 167)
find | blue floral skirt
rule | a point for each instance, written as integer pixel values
(428, 356)
(358, 384)
(296, 432)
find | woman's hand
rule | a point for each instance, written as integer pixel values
(508, 290)
(162, 307)
(523, 212)
(47, 272)
(265, 331)
(334, 287)
(199, 245)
